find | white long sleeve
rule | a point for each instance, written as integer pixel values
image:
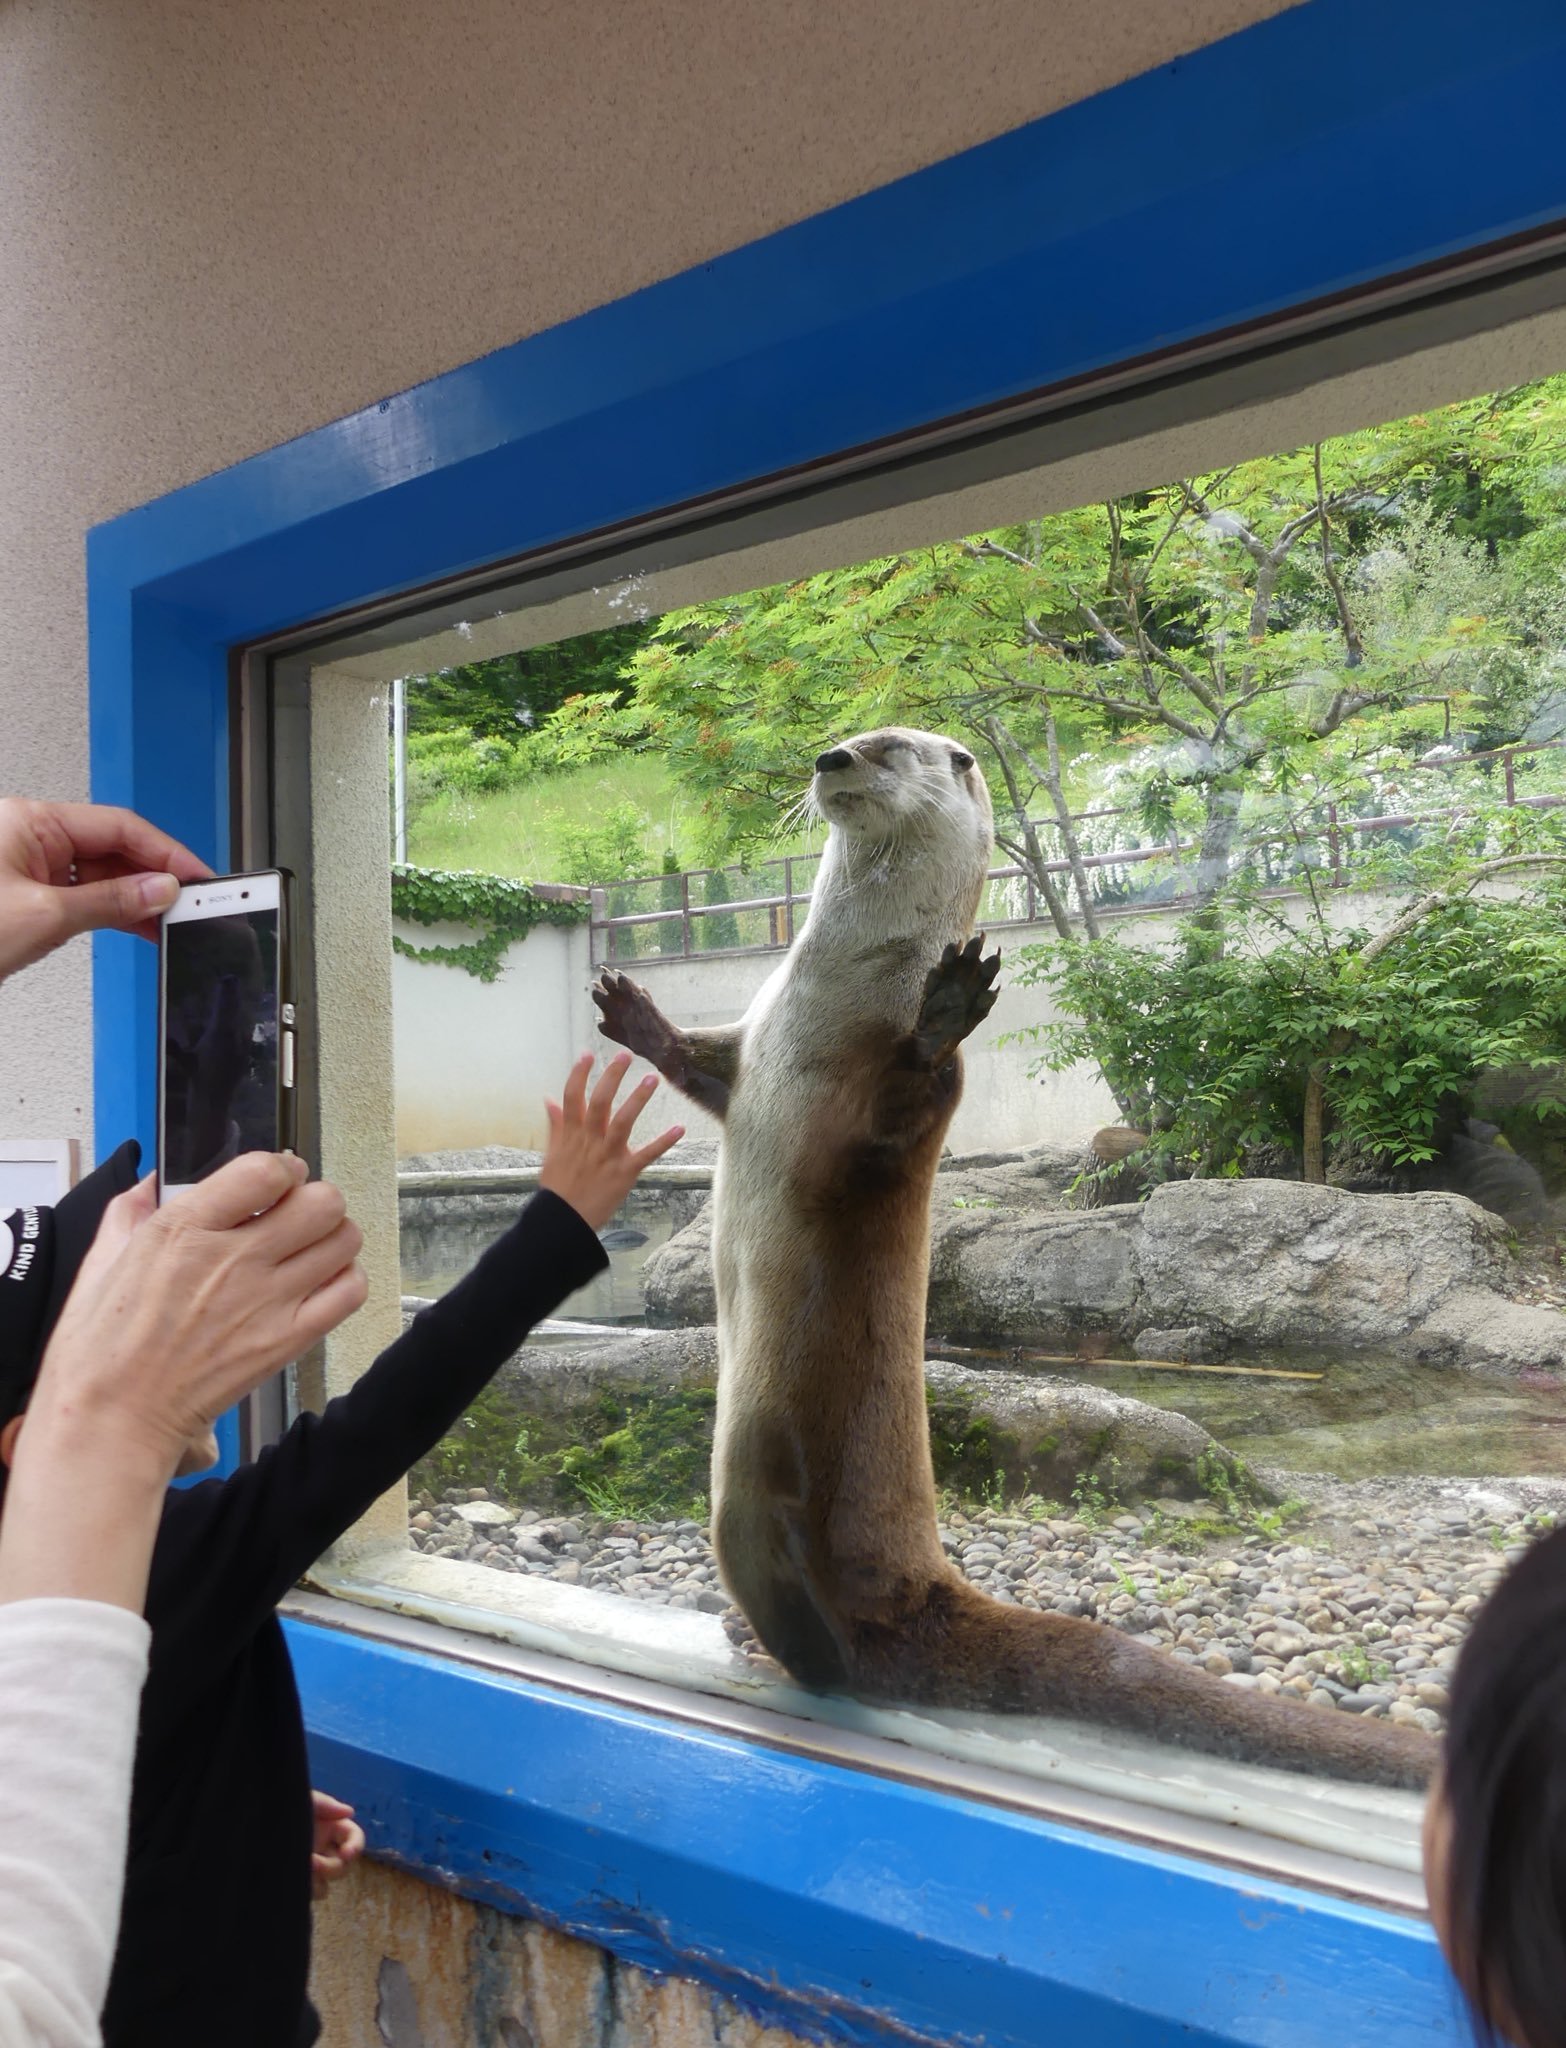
(71, 1673)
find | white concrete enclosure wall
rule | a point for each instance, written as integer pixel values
(475, 1061)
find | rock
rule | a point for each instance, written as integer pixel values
(1193, 1342)
(1501, 1507)
(1050, 1169)
(1203, 1268)
(486, 1514)
(678, 1276)
(1044, 1433)
(563, 1378)
(1306, 1270)
(973, 1200)
(1042, 1278)
(1269, 1256)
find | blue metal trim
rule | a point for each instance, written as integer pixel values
(818, 1894)
(1215, 190)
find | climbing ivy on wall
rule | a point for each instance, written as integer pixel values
(502, 911)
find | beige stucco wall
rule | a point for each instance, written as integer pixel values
(223, 226)
(399, 1965)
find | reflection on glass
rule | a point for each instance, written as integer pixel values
(1245, 1324)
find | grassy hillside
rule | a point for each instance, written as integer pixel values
(524, 832)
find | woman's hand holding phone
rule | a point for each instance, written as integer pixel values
(179, 1312)
(175, 1315)
(70, 868)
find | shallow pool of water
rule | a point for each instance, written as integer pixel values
(436, 1256)
(1353, 1421)
(1362, 1422)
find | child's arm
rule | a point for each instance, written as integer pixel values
(233, 1548)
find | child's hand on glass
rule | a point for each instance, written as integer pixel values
(590, 1161)
(338, 1842)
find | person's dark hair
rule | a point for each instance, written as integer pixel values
(1504, 1781)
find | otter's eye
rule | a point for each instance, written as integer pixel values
(962, 763)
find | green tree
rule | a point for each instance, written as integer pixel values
(1297, 1032)
(721, 933)
(1229, 649)
(612, 849)
(671, 932)
(513, 694)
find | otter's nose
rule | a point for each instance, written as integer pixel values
(837, 757)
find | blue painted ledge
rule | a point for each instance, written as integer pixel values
(832, 1901)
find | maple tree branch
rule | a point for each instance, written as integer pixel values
(992, 550)
(1050, 776)
(1030, 853)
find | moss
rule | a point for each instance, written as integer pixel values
(635, 1453)
(643, 1453)
(653, 1462)
(970, 1454)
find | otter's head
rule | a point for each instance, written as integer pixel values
(898, 788)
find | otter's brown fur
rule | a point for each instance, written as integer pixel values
(836, 1090)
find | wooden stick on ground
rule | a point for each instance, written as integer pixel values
(1254, 1372)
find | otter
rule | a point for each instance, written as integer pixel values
(835, 1091)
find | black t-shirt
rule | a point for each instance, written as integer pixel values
(215, 1938)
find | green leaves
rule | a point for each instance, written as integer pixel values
(1218, 646)
(1212, 1053)
(504, 911)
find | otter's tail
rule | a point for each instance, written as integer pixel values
(959, 1649)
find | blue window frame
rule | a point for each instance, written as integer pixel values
(1269, 184)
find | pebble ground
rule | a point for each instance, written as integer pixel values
(1358, 1604)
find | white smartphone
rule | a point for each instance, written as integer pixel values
(226, 1026)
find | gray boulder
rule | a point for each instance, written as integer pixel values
(1049, 1169)
(1313, 1271)
(1202, 1269)
(1043, 1435)
(562, 1379)
(973, 1193)
(678, 1276)
(1043, 1277)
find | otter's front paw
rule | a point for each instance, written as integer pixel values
(628, 1015)
(958, 996)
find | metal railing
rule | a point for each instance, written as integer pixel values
(733, 910)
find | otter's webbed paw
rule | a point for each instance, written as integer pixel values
(958, 996)
(628, 1015)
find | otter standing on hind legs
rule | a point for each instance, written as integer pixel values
(835, 1090)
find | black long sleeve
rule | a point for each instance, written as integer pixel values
(215, 1935)
(243, 1541)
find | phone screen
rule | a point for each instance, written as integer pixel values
(220, 1042)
